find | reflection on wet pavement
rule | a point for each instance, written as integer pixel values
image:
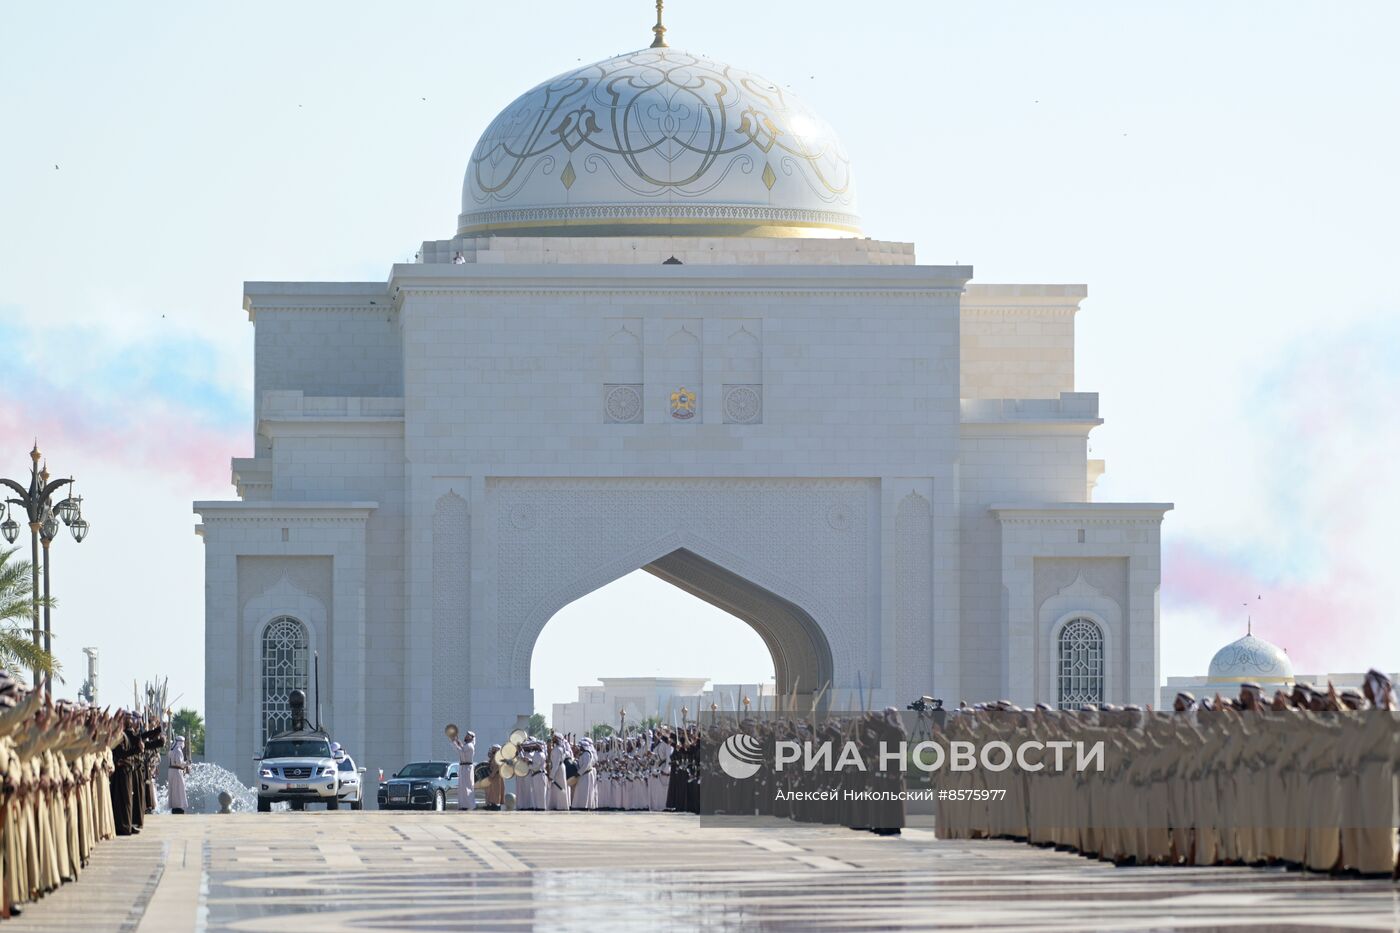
(316, 871)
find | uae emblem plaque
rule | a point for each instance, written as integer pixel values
(683, 404)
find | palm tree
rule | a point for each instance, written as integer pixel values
(537, 726)
(18, 652)
(188, 722)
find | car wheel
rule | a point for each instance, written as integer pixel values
(264, 805)
(357, 805)
(298, 804)
(333, 803)
(439, 801)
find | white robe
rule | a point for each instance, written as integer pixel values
(585, 793)
(558, 793)
(660, 782)
(539, 781)
(522, 793)
(175, 779)
(466, 789)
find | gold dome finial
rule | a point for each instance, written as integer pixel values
(660, 30)
(34, 454)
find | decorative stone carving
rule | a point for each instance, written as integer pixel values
(623, 352)
(743, 404)
(913, 595)
(1082, 577)
(622, 404)
(309, 575)
(451, 607)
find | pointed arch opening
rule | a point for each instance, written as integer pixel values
(801, 658)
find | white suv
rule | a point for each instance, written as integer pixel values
(352, 789)
(297, 767)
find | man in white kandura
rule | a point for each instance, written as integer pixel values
(558, 798)
(539, 781)
(175, 776)
(466, 774)
(660, 782)
(585, 795)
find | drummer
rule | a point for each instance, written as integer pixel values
(585, 792)
(466, 768)
(495, 781)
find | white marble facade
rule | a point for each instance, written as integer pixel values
(881, 467)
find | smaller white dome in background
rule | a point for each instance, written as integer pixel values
(1251, 659)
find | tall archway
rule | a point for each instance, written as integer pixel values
(801, 653)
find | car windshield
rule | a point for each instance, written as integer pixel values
(423, 769)
(297, 748)
(347, 765)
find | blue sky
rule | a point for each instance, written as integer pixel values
(1220, 174)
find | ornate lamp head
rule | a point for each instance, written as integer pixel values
(10, 529)
(48, 526)
(68, 510)
(79, 528)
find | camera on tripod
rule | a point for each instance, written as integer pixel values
(926, 705)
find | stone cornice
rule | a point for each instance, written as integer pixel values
(609, 278)
(1012, 301)
(285, 512)
(948, 295)
(1081, 513)
(1018, 311)
(1029, 427)
(315, 296)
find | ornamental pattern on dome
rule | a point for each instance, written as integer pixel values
(659, 135)
(1250, 656)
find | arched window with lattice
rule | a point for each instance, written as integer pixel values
(284, 654)
(1081, 662)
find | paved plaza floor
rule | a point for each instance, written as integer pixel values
(317, 872)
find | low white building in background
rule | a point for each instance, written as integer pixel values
(663, 697)
(1251, 659)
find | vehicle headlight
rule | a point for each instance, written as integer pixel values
(328, 770)
(266, 772)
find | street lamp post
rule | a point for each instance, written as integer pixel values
(44, 516)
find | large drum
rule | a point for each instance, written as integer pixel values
(571, 770)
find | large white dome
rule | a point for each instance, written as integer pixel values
(654, 142)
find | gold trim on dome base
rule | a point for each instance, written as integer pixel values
(662, 226)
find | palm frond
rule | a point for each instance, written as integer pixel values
(18, 652)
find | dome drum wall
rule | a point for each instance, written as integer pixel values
(653, 249)
(659, 142)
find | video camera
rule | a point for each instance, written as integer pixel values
(926, 705)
